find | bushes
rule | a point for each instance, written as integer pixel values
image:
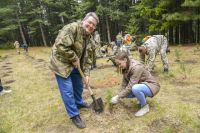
(8, 45)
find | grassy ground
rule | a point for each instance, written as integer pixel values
(35, 105)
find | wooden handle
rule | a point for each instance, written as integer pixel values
(83, 76)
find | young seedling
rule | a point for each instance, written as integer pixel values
(109, 105)
(177, 54)
(184, 70)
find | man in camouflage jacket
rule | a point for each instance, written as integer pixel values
(68, 53)
(151, 47)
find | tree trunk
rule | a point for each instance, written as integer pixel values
(171, 35)
(198, 32)
(62, 20)
(108, 29)
(176, 34)
(43, 35)
(20, 29)
(179, 34)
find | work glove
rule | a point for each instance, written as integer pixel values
(115, 99)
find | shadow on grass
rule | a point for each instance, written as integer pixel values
(8, 63)
(6, 87)
(40, 60)
(9, 72)
(7, 68)
(190, 62)
(5, 75)
(9, 81)
(4, 66)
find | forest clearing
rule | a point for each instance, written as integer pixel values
(35, 104)
(140, 58)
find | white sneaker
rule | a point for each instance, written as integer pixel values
(5, 92)
(143, 110)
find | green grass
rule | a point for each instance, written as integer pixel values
(35, 105)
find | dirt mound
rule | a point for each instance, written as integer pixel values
(106, 82)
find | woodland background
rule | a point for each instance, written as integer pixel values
(37, 22)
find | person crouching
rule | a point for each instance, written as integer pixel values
(137, 82)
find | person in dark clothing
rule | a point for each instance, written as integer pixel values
(25, 46)
(2, 90)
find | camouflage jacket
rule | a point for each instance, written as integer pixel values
(153, 46)
(97, 39)
(16, 45)
(137, 74)
(68, 47)
(119, 37)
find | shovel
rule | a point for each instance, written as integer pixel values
(97, 104)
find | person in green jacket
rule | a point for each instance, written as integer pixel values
(68, 53)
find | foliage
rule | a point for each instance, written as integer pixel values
(139, 17)
(8, 45)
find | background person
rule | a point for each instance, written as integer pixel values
(17, 47)
(25, 46)
(2, 90)
(151, 47)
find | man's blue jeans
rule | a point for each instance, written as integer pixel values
(71, 89)
(140, 91)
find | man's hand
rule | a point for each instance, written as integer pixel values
(115, 99)
(76, 63)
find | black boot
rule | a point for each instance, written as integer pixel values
(78, 122)
(84, 105)
(94, 66)
(165, 70)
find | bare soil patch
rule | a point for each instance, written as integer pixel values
(9, 81)
(8, 63)
(106, 82)
(40, 60)
(7, 68)
(5, 75)
(4, 66)
(9, 72)
(180, 82)
(105, 66)
(190, 61)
